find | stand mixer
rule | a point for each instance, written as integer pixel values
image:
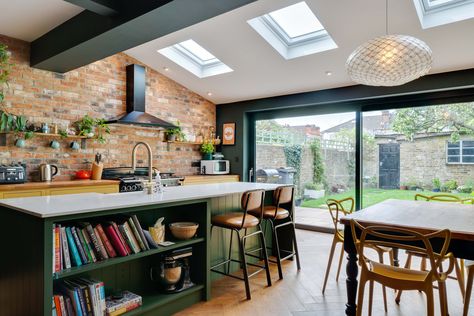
(174, 271)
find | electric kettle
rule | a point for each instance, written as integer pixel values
(47, 172)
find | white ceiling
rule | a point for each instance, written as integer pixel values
(259, 70)
(29, 19)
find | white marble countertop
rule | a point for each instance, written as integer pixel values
(60, 205)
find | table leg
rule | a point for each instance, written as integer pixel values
(396, 262)
(352, 270)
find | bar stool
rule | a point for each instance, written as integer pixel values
(237, 221)
(281, 210)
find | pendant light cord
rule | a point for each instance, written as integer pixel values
(386, 17)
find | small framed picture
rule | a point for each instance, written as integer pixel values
(228, 134)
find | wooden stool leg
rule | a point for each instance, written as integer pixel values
(371, 296)
(407, 266)
(265, 256)
(340, 263)
(328, 268)
(460, 277)
(467, 296)
(244, 261)
(295, 246)
(277, 247)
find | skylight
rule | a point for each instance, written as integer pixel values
(434, 13)
(195, 58)
(297, 20)
(293, 31)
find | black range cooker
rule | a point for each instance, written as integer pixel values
(132, 181)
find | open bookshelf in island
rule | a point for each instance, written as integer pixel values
(29, 274)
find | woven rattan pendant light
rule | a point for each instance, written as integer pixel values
(389, 60)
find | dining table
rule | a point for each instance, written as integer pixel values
(421, 216)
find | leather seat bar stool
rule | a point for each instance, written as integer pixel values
(280, 215)
(252, 201)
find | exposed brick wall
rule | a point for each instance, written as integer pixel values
(99, 89)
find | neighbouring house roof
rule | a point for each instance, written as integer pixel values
(375, 124)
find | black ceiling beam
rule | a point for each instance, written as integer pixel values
(101, 7)
(88, 36)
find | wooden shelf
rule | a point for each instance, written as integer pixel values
(152, 301)
(109, 262)
(183, 143)
(3, 137)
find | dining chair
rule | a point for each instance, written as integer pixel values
(458, 263)
(470, 279)
(401, 278)
(338, 209)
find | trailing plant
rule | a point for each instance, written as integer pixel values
(207, 147)
(63, 133)
(318, 163)
(102, 129)
(87, 126)
(293, 154)
(5, 67)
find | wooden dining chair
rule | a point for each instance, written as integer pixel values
(470, 279)
(458, 263)
(338, 209)
(400, 278)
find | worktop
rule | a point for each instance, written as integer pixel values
(63, 205)
(55, 184)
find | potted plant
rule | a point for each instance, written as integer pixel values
(451, 186)
(436, 185)
(91, 127)
(175, 134)
(404, 186)
(314, 190)
(207, 148)
(21, 131)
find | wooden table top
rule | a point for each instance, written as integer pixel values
(420, 216)
(55, 184)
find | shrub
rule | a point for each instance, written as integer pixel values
(450, 185)
(314, 186)
(465, 189)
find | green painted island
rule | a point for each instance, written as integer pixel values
(27, 279)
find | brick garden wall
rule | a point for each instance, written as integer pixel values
(99, 89)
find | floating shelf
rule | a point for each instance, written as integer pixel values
(183, 143)
(109, 262)
(3, 137)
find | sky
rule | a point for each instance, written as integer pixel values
(324, 121)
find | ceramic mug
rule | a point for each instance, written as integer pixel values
(54, 144)
(20, 143)
(75, 145)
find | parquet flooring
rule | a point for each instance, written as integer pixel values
(299, 293)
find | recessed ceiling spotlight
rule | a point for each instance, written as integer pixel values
(209, 93)
(328, 73)
(166, 69)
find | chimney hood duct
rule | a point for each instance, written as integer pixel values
(136, 114)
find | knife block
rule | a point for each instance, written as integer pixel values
(97, 169)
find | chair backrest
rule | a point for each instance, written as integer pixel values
(284, 195)
(252, 200)
(389, 236)
(337, 210)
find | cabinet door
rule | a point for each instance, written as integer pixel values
(85, 189)
(20, 194)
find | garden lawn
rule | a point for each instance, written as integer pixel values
(374, 196)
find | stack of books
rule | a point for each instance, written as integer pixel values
(84, 242)
(79, 297)
(85, 297)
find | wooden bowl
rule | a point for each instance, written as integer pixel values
(183, 230)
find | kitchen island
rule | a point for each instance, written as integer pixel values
(26, 273)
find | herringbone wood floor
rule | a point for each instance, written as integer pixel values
(299, 293)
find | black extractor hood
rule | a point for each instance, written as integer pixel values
(136, 114)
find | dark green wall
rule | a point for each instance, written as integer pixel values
(457, 86)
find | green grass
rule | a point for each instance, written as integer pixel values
(374, 196)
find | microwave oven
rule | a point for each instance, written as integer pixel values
(215, 166)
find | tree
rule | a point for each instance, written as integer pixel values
(453, 118)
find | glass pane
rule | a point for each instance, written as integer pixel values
(468, 159)
(316, 153)
(454, 159)
(197, 50)
(409, 151)
(297, 20)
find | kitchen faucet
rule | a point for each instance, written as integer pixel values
(149, 184)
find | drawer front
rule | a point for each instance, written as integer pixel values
(20, 194)
(92, 189)
(210, 179)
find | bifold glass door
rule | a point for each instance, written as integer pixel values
(315, 153)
